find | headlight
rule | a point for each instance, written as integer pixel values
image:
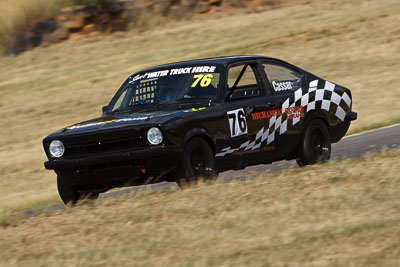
(56, 148)
(154, 135)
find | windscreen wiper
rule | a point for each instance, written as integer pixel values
(188, 98)
(136, 107)
(119, 110)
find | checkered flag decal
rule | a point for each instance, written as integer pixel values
(324, 98)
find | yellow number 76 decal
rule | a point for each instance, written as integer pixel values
(204, 79)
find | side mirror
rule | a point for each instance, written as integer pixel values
(104, 109)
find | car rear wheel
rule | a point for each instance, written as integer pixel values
(315, 146)
(70, 193)
(198, 162)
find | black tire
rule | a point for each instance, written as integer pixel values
(198, 162)
(70, 194)
(315, 145)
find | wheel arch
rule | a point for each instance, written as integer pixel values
(317, 114)
(201, 133)
(309, 116)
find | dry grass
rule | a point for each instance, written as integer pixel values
(354, 43)
(337, 214)
(16, 16)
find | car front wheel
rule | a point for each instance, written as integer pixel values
(315, 145)
(70, 193)
(198, 162)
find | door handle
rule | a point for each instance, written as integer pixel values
(269, 105)
(248, 110)
(272, 105)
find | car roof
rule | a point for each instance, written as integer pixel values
(214, 60)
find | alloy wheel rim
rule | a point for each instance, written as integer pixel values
(198, 162)
(317, 143)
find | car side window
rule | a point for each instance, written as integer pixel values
(282, 78)
(242, 82)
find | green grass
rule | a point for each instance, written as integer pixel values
(351, 43)
(335, 214)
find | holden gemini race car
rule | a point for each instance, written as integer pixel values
(189, 120)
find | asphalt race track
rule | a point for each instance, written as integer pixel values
(352, 146)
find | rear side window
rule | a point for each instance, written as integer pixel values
(242, 82)
(282, 78)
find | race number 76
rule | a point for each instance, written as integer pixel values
(237, 122)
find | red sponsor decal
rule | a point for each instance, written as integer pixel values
(266, 114)
(294, 112)
(291, 113)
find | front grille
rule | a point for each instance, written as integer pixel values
(107, 168)
(101, 146)
(136, 163)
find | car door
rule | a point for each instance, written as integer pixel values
(284, 88)
(244, 97)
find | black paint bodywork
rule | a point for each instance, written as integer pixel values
(113, 151)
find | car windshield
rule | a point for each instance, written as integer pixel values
(167, 86)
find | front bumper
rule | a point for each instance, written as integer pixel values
(117, 168)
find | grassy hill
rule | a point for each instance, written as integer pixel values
(353, 43)
(337, 214)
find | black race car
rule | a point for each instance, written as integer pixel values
(182, 121)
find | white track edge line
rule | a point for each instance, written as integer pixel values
(376, 129)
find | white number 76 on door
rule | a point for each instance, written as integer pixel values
(237, 122)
